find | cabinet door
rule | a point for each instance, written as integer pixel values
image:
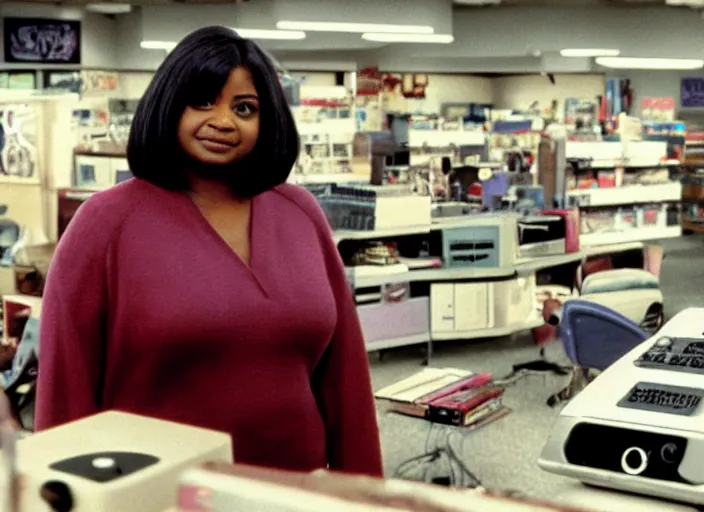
(442, 307)
(474, 306)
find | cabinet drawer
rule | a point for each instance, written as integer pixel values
(395, 320)
(442, 307)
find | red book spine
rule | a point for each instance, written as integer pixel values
(473, 382)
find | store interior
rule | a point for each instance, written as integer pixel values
(515, 187)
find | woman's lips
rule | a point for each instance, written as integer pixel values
(217, 145)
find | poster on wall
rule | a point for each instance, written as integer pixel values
(98, 81)
(39, 40)
(657, 109)
(18, 143)
(692, 93)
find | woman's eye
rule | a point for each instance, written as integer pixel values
(204, 105)
(245, 109)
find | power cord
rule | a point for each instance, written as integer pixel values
(440, 463)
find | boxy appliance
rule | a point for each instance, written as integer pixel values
(639, 426)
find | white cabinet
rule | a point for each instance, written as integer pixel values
(474, 306)
(483, 310)
(442, 307)
(461, 307)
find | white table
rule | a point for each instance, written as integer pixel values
(599, 500)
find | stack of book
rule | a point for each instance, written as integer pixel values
(448, 396)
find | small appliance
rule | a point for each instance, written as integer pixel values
(112, 462)
(639, 426)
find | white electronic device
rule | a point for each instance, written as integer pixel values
(112, 462)
(639, 426)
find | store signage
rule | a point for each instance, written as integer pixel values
(657, 109)
(692, 93)
(38, 40)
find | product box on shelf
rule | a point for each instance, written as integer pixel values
(372, 208)
(572, 227)
(542, 235)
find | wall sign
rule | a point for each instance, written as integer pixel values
(39, 40)
(692, 93)
(657, 109)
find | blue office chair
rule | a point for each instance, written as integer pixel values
(594, 337)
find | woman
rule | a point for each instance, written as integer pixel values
(207, 291)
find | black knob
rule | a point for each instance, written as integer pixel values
(57, 495)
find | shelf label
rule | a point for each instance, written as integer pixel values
(584, 199)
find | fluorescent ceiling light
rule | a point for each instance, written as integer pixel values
(589, 52)
(647, 63)
(408, 38)
(109, 8)
(356, 28)
(256, 33)
(158, 45)
(249, 33)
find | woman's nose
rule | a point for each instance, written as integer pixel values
(223, 118)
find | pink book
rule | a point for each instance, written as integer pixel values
(472, 382)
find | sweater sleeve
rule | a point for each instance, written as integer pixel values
(342, 379)
(72, 321)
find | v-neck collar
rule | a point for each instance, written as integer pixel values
(255, 236)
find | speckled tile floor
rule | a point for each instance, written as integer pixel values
(503, 454)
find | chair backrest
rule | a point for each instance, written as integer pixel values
(595, 336)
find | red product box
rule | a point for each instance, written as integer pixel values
(606, 179)
(571, 227)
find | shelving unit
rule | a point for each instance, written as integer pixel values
(447, 303)
(628, 192)
(631, 235)
(693, 186)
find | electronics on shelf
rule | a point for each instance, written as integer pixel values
(112, 462)
(483, 240)
(542, 235)
(639, 427)
(370, 208)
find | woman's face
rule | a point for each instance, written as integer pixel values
(225, 130)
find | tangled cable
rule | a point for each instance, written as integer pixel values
(440, 462)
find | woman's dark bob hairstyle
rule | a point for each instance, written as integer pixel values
(194, 72)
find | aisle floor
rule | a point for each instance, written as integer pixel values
(503, 455)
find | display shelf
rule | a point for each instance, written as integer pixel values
(631, 235)
(531, 265)
(434, 275)
(342, 177)
(341, 235)
(404, 341)
(629, 194)
(690, 225)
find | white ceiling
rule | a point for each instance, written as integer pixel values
(518, 36)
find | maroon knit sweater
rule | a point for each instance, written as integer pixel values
(147, 310)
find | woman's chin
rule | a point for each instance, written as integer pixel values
(216, 159)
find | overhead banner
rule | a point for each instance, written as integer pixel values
(692, 93)
(42, 41)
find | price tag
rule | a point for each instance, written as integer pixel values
(584, 199)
